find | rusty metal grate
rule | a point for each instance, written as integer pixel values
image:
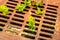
(47, 24)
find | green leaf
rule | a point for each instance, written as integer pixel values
(31, 22)
(4, 9)
(39, 11)
(41, 3)
(33, 28)
(27, 2)
(20, 7)
(33, 3)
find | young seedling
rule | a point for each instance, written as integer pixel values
(20, 7)
(4, 9)
(27, 2)
(31, 23)
(39, 11)
(39, 3)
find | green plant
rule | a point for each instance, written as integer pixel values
(31, 23)
(20, 7)
(39, 11)
(27, 2)
(4, 9)
(39, 3)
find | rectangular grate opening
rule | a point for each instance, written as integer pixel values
(10, 10)
(34, 8)
(19, 16)
(2, 25)
(28, 27)
(36, 16)
(41, 6)
(51, 12)
(31, 32)
(33, 11)
(27, 36)
(53, 6)
(1, 20)
(46, 26)
(27, 7)
(22, 2)
(49, 19)
(37, 20)
(26, 10)
(14, 1)
(45, 35)
(1, 29)
(19, 20)
(36, 24)
(16, 24)
(11, 3)
(10, 6)
(41, 39)
(20, 12)
(49, 22)
(4, 16)
(50, 15)
(48, 31)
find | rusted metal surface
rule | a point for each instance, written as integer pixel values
(47, 25)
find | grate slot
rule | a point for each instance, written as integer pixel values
(27, 7)
(28, 27)
(34, 8)
(38, 6)
(16, 24)
(19, 16)
(33, 11)
(53, 6)
(11, 3)
(10, 10)
(2, 25)
(50, 15)
(47, 31)
(31, 32)
(26, 10)
(49, 22)
(41, 39)
(37, 20)
(36, 24)
(45, 35)
(46, 26)
(22, 2)
(50, 19)
(10, 6)
(20, 12)
(36, 16)
(27, 36)
(1, 20)
(4, 16)
(14, 1)
(1, 29)
(41, 6)
(51, 12)
(18, 20)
